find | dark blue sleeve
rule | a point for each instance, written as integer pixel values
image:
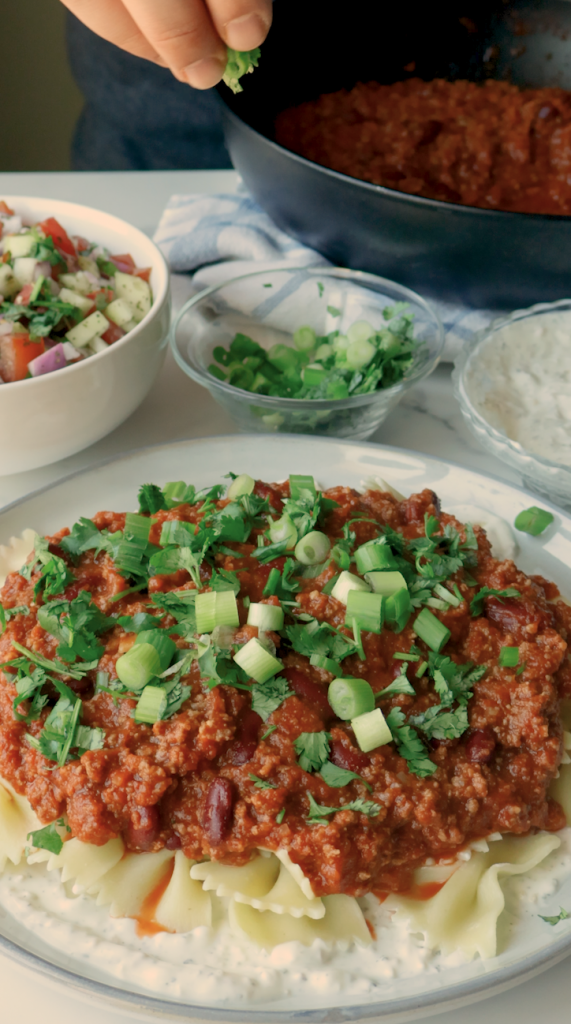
(137, 116)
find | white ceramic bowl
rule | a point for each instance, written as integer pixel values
(47, 418)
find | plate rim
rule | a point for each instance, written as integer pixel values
(475, 989)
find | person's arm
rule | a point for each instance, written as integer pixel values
(188, 36)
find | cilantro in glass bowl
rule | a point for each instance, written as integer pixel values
(307, 349)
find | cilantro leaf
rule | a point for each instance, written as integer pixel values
(85, 536)
(313, 749)
(267, 697)
(49, 837)
(181, 605)
(139, 622)
(320, 638)
(318, 813)
(398, 685)
(76, 624)
(151, 499)
(410, 745)
(561, 916)
(336, 777)
(54, 575)
(477, 602)
(261, 783)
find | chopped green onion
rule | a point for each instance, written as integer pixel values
(366, 610)
(283, 530)
(533, 520)
(256, 661)
(359, 354)
(313, 375)
(320, 661)
(371, 730)
(350, 698)
(445, 594)
(283, 357)
(509, 657)
(358, 640)
(313, 548)
(151, 706)
(435, 602)
(398, 609)
(403, 656)
(341, 557)
(161, 641)
(205, 606)
(386, 583)
(304, 340)
(347, 582)
(431, 630)
(138, 666)
(280, 816)
(243, 484)
(226, 608)
(421, 669)
(372, 556)
(299, 483)
(274, 580)
(266, 616)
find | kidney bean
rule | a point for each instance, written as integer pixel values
(348, 757)
(263, 490)
(143, 830)
(306, 689)
(480, 746)
(513, 616)
(219, 807)
(173, 842)
(246, 742)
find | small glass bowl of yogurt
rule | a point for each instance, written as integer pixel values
(513, 383)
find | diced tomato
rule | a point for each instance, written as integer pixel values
(61, 239)
(81, 244)
(108, 294)
(124, 262)
(113, 333)
(16, 351)
(5, 257)
(4, 208)
(23, 296)
(143, 272)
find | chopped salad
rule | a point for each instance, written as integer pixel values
(62, 298)
(333, 366)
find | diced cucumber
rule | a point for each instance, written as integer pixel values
(135, 291)
(9, 284)
(78, 282)
(19, 245)
(121, 313)
(87, 330)
(87, 263)
(67, 295)
(98, 345)
(70, 352)
(24, 267)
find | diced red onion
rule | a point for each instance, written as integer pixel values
(91, 277)
(42, 269)
(53, 359)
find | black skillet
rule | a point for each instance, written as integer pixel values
(480, 257)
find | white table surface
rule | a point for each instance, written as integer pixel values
(427, 420)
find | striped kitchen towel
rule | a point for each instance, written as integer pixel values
(215, 237)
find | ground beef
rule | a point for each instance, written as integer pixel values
(490, 145)
(185, 782)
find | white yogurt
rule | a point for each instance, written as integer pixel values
(520, 382)
(212, 966)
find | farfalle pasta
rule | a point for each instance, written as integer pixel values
(263, 706)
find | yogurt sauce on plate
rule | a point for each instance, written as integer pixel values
(214, 966)
(520, 382)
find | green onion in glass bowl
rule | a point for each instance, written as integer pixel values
(310, 320)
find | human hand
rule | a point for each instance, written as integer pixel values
(187, 36)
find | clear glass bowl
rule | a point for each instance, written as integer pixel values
(552, 479)
(268, 306)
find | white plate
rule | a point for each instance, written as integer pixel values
(114, 485)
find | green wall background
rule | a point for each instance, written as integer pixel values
(40, 101)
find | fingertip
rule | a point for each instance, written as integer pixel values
(248, 31)
(205, 73)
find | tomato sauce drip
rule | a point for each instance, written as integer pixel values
(146, 925)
